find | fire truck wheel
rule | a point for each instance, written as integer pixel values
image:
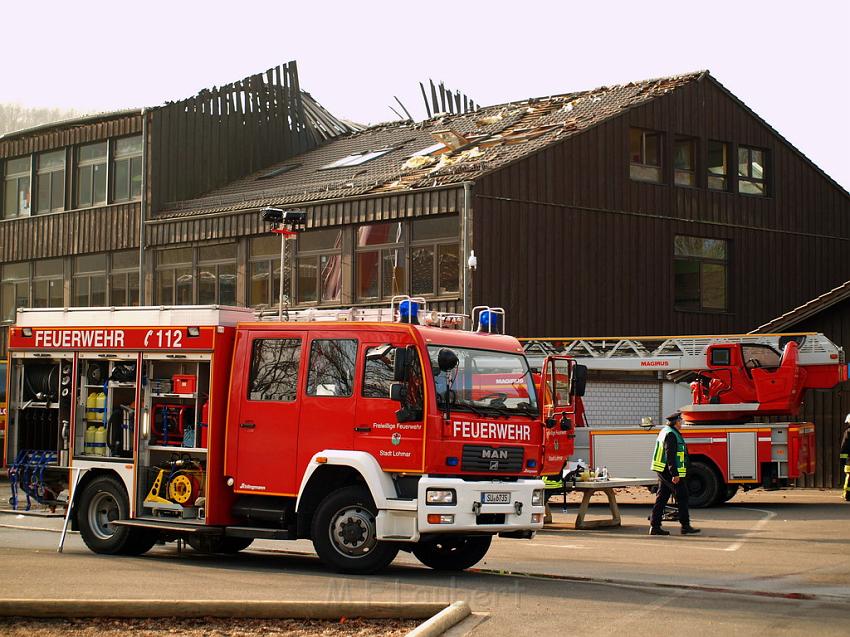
(453, 553)
(344, 532)
(703, 485)
(204, 544)
(103, 501)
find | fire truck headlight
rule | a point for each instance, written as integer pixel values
(537, 498)
(440, 496)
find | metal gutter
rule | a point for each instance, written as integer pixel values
(144, 202)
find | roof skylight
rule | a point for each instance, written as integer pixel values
(356, 159)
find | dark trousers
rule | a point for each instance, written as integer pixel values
(665, 489)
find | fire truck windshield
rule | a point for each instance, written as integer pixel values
(485, 382)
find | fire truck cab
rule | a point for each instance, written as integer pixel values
(366, 431)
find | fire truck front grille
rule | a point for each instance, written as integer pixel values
(482, 458)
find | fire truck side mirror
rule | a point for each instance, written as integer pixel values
(398, 392)
(403, 359)
(579, 380)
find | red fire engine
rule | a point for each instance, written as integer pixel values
(368, 431)
(733, 379)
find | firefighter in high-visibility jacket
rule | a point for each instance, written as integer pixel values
(670, 462)
(844, 458)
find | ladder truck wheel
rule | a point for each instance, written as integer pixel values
(221, 544)
(345, 534)
(703, 485)
(453, 552)
(103, 501)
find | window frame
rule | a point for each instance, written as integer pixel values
(54, 182)
(317, 254)
(17, 177)
(380, 249)
(299, 347)
(91, 163)
(127, 273)
(701, 261)
(637, 167)
(36, 279)
(88, 276)
(436, 243)
(194, 267)
(693, 171)
(114, 159)
(272, 262)
(725, 176)
(308, 376)
(749, 179)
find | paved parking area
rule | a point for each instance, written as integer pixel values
(775, 562)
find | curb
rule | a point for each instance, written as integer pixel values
(442, 621)
(136, 608)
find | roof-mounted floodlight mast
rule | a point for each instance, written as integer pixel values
(286, 223)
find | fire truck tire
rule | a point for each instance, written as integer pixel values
(453, 552)
(103, 501)
(204, 544)
(703, 485)
(344, 532)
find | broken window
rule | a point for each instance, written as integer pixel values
(645, 155)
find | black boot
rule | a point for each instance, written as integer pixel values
(689, 530)
(657, 530)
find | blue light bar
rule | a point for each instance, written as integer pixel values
(531, 464)
(488, 321)
(408, 311)
(451, 461)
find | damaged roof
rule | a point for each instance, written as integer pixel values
(443, 150)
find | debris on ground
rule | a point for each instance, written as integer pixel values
(206, 626)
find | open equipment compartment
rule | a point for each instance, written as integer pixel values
(39, 427)
(173, 458)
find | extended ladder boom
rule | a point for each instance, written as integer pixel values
(672, 353)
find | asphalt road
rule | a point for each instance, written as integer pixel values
(769, 563)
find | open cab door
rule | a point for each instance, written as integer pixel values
(561, 380)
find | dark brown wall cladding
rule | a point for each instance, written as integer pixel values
(103, 229)
(572, 246)
(364, 210)
(221, 134)
(48, 139)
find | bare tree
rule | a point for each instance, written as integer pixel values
(15, 117)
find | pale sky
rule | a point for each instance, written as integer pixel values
(788, 61)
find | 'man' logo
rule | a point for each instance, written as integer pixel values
(494, 454)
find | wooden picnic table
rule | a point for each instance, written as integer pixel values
(588, 488)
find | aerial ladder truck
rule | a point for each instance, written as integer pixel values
(736, 383)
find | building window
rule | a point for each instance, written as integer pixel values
(319, 266)
(174, 277)
(90, 281)
(380, 261)
(14, 288)
(700, 273)
(264, 271)
(434, 256)
(50, 182)
(645, 155)
(16, 201)
(752, 171)
(217, 275)
(48, 288)
(356, 159)
(684, 162)
(718, 165)
(91, 175)
(124, 278)
(127, 169)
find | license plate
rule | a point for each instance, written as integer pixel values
(495, 497)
